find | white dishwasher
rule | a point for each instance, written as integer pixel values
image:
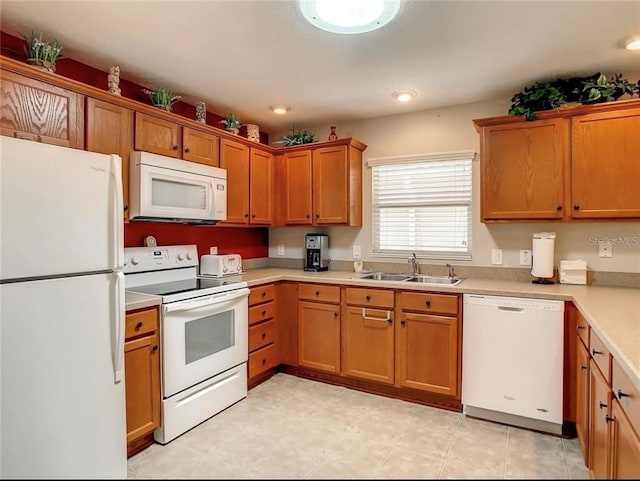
(512, 350)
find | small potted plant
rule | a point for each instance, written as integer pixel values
(298, 137)
(42, 54)
(231, 123)
(162, 97)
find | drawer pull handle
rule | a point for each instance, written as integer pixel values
(264, 335)
(622, 394)
(596, 353)
(609, 419)
(138, 325)
(583, 367)
(602, 405)
(427, 303)
(383, 319)
(580, 328)
(154, 348)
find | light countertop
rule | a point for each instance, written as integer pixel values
(135, 300)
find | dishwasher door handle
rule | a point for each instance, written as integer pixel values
(510, 309)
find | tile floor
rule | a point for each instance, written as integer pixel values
(292, 428)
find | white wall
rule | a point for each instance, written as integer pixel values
(449, 129)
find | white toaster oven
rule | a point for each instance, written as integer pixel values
(220, 265)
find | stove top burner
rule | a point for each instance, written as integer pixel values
(189, 288)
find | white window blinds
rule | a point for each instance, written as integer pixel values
(422, 204)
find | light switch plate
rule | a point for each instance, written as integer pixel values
(280, 249)
(357, 252)
(496, 256)
(605, 249)
(525, 258)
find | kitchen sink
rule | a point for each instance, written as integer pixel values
(421, 278)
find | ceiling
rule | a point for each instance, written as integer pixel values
(243, 56)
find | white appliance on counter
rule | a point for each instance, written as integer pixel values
(512, 361)
(220, 265)
(62, 313)
(164, 189)
(204, 331)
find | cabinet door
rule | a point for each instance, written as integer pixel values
(297, 187)
(234, 157)
(110, 131)
(523, 170)
(158, 136)
(599, 410)
(582, 399)
(330, 185)
(200, 147)
(427, 353)
(605, 165)
(319, 336)
(34, 110)
(625, 458)
(260, 191)
(369, 344)
(142, 385)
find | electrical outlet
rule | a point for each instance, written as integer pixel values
(525, 258)
(357, 252)
(605, 249)
(496, 256)
(280, 249)
(213, 250)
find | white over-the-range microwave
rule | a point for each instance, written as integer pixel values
(163, 189)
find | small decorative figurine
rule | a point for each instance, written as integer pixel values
(201, 112)
(332, 135)
(114, 80)
(253, 132)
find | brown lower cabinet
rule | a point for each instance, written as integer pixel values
(142, 377)
(582, 398)
(625, 459)
(263, 346)
(600, 413)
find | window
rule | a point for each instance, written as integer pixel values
(422, 204)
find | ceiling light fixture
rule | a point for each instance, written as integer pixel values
(349, 16)
(404, 95)
(279, 109)
(633, 43)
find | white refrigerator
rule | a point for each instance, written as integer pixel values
(62, 396)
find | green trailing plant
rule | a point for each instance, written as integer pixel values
(41, 52)
(231, 122)
(162, 97)
(585, 90)
(297, 137)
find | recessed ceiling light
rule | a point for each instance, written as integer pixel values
(349, 16)
(279, 109)
(404, 95)
(633, 43)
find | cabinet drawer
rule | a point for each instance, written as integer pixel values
(369, 297)
(583, 328)
(600, 355)
(443, 303)
(261, 334)
(319, 292)
(262, 359)
(141, 322)
(261, 312)
(262, 294)
(627, 394)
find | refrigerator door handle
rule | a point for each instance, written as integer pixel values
(118, 327)
(117, 216)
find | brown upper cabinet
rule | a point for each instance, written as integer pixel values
(322, 185)
(260, 186)
(577, 163)
(163, 137)
(110, 131)
(42, 112)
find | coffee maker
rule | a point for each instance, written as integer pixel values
(316, 257)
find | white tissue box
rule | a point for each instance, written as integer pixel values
(573, 272)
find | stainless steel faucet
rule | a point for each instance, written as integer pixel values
(413, 262)
(450, 267)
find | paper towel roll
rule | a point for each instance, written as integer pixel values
(542, 255)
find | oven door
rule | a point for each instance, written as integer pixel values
(203, 337)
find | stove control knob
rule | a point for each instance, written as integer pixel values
(180, 256)
(135, 260)
(189, 256)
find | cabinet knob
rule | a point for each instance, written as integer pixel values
(264, 361)
(138, 325)
(596, 353)
(583, 367)
(368, 298)
(253, 216)
(602, 405)
(308, 216)
(576, 207)
(609, 419)
(187, 150)
(317, 293)
(175, 147)
(125, 207)
(558, 208)
(264, 335)
(403, 322)
(317, 216)
(154, 348)
(264, 313)
(246, 215)
(622, 394)
(427, 303)
(264, 293)
(579, 328)
(335, 314)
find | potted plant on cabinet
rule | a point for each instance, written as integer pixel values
(42, 54)
(297, 137)
(231, 123)
(162, 97)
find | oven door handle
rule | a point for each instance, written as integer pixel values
(206, 301)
